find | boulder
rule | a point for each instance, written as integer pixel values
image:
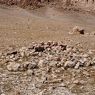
(77, 30)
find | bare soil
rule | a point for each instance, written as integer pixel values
(20, 27)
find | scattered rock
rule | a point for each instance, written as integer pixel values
(51, 54)
(53, 64)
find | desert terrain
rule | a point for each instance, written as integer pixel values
(19, 26)
(40, 56)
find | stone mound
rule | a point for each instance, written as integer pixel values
(50, 54)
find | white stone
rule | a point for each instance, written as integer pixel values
(77, 65)
(41, 62)
(76, 82)
(69, 64)
(29, 72)
(13, 66)
(3, 94)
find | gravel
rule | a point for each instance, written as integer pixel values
(51, 68)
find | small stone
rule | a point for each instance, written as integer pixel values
(86, 73)
(77, 65)
(41, 62)
(14, 52)
(39, 49)
(3, 94)
(69, 64)
(24, 66)
(13, 66)
(40, 54)
(57, 58)
(32, 65)
(29, 72)
(82, 61)
(88, 63)
(85, 55)
(12, 56)
(69, 48)
(16, 67)
(82, 82)
(62, 85)
(55, 43)
(76, 82)
(53, 63)
(78, 30)
(59, 64)
(49, 43)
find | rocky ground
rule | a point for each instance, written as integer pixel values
(46, 52)
(50, 68)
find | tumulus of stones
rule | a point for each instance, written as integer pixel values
(45, 68)
(50, 54)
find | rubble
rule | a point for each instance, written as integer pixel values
(47, 55)
(49, 66)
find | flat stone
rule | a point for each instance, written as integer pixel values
(69, 64)
(13, 66)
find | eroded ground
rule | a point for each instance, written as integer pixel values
(20, 27)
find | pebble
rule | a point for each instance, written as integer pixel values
(39, 49)
(41, 63)
(69, 64)
(85, 55)
(29, 72)
(13, 66)
(76, 82)
(86, 73)
(3, 94)
(32, 65)
(77, 65)
(62, 85)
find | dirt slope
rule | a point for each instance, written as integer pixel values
(18, 26)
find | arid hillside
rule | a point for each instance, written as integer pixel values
(87, 5)
(47, 47)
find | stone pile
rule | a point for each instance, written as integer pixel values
(46, 55)
(77, 30)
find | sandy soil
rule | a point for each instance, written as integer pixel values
(20, 27)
